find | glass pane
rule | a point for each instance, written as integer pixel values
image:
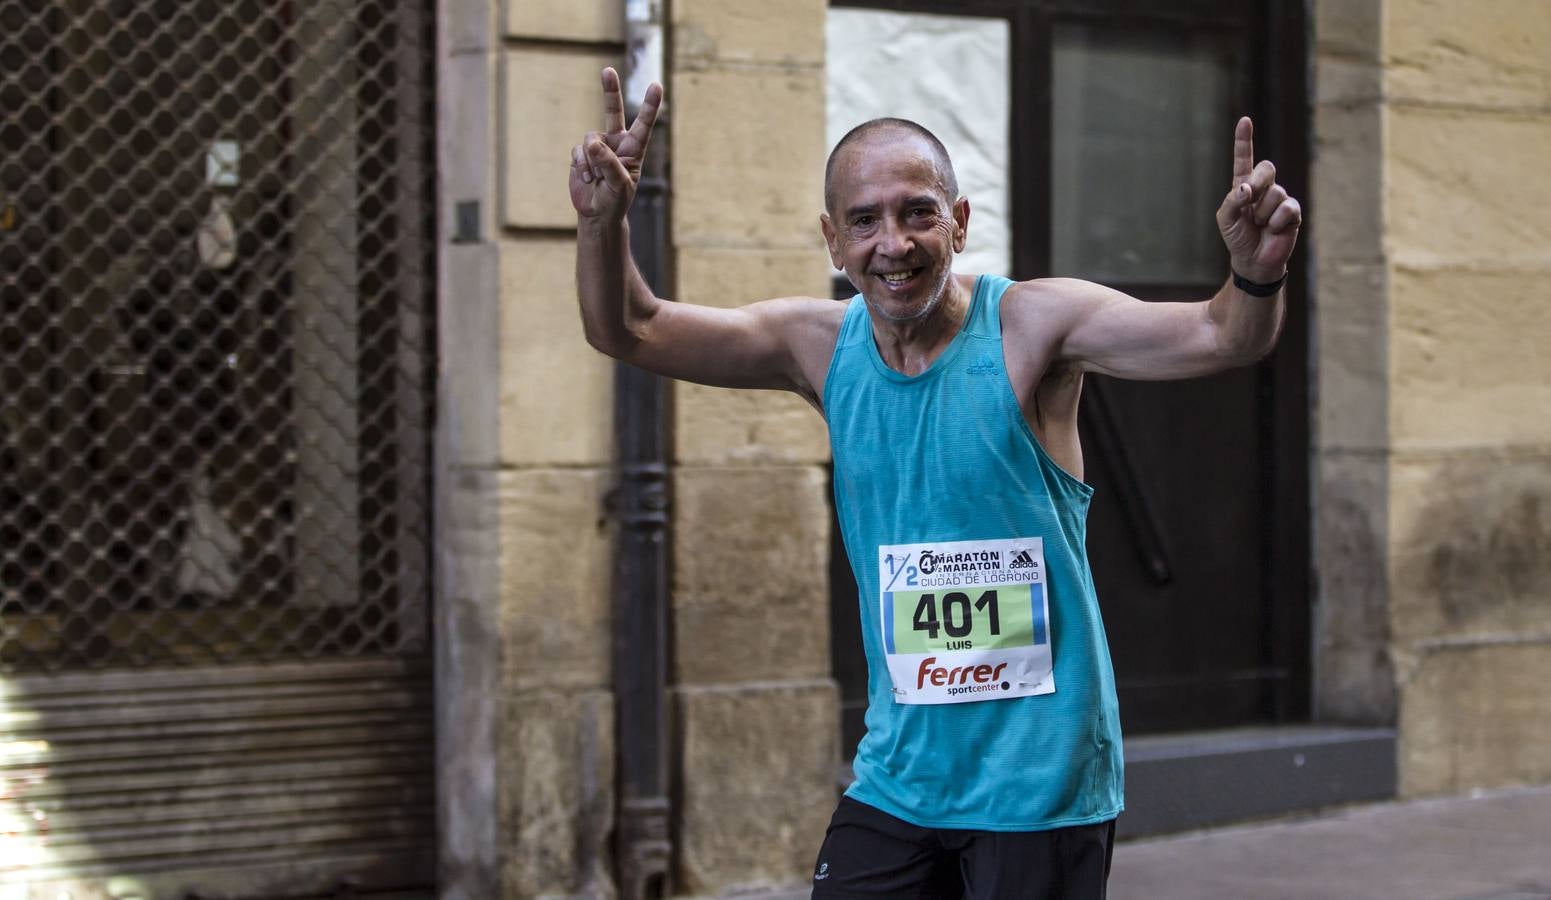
(951, 74)
(1142, 133)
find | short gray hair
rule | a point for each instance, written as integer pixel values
(944, 164)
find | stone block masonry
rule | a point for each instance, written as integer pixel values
(1431, 228)
(757, 716)
(525, 708)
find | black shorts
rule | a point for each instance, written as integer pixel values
(869, 853)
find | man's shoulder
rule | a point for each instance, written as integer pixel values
(1044, 302)
(1048, 290)
(805, 313)
(798, 311)
(808, 324)
(808, 327)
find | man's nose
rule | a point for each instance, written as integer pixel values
(892, 240)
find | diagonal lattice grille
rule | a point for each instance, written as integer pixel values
(212, 332)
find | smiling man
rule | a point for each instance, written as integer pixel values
(992, 766)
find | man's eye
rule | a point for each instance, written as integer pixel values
(863, 221)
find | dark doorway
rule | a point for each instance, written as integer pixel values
(1122, 117)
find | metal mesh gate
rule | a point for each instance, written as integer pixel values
(213, 364)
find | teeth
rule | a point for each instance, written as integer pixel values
(897, 277)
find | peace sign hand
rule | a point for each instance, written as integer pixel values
(606, 165)
(1258, 221)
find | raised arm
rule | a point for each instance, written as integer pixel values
(1112, 333)
(761, 345)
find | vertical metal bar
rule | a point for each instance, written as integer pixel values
(411, 416)
(641, 590)
(643, 846)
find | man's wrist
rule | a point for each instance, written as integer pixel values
(601, 225)
(1258, 288)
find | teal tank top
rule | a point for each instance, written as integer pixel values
(991, 698)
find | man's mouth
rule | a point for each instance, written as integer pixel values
(899, 278)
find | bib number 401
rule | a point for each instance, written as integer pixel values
(958, 615)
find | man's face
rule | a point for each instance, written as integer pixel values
(894, 228)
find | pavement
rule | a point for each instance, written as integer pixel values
(1483, 846)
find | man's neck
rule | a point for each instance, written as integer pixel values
(910, 347)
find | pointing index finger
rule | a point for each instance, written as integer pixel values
(613, 103)
(1243, 150)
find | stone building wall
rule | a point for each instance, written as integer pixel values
(556, 445)
(1468, 222)
(1432, 232)
(1354, 681)
(756, 712)
(525, 711)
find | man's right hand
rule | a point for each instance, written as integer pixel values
(606, 165)
(780, 344)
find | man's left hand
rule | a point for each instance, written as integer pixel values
(1258, 221)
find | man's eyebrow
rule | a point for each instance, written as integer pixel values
(870, 209)
(924, 200)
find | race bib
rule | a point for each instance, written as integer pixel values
(966, 620)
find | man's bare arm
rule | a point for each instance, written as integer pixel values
(1110, 332)
(740, 347)
(749, 346)
(1115, 334)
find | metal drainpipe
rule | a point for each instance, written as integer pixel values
(643, 847)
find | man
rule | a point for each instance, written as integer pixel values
(991, 765)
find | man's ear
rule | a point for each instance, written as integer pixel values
(960, 223)
(831, 240)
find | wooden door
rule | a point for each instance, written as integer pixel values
(1197, 535)
(1120, 145)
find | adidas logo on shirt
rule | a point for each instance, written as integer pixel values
(985, 365)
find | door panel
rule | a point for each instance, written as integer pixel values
(1185, 636)
(1139, 155)
(1142, 119)
(1122, 116)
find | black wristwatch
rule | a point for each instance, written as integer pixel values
(1255, 288)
